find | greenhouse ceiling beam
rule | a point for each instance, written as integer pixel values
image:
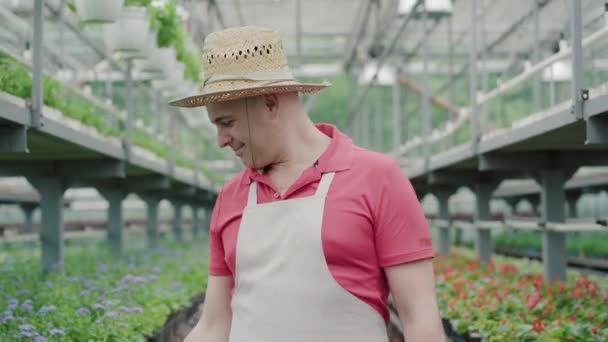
(488, 48)
(435, 99)
(23, 30)
(383, 57)
(213, 4)
(351, 50)
(239, 12)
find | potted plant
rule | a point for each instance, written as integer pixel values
(130, 33)
(95, 11)
(159, 60)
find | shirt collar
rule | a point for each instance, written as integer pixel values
(337, 157)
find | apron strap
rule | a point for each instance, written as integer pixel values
(252, 198)
(323, 188)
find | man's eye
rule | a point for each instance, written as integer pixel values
(227, 123)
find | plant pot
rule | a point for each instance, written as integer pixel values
(21, 6)
(95, 11)
(130, 34)
(158, 60)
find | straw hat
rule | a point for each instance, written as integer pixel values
(242, 62)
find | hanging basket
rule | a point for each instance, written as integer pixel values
(159, 60)
(130, 34)
(101, 12)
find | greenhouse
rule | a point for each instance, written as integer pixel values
(289, 170)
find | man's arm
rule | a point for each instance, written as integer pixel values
(214, 324)
(412, 287)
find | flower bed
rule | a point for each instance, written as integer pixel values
(509, 301)
(99, 297)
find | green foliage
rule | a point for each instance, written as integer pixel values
(141, 3)
(578, 244)
(212, 176)
(150, 143)
(16, 79)
(170, 33)
(100, 296)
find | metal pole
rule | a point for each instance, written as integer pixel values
(299, 30)
(451, 96)
(396, 113)
(473, 77)
(172, 149)
(360, 98)
(378, 120)
(536, 56)
(37, 91)
(129, 100)
(426, 105)
(484, 119)
(365, 128)
(577, 59)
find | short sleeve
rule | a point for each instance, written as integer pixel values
(401, 229)
(217, 257)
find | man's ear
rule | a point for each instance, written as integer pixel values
(271, 103)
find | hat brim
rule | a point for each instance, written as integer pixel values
(234, 94)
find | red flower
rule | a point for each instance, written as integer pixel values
(594, 330)
(532, 302)
(538, 326)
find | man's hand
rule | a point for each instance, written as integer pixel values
(214, 324)
(412, 286)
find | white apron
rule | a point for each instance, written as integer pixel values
(284, 291)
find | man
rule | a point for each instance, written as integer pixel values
(307, 242)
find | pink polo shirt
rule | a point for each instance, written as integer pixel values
(372, 218)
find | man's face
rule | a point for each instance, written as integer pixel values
(249, 136)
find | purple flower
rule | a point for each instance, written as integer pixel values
(112, 314)
(57, 332)
(40, 339)
(8, 317)
(85, 293)
(13, 303)
(136, 309)
(108, 303)
(87, 283)
(27, 307)
(156, 269)
(83, 311)
(73, 280)
(26, 327)
(129, 278)
(98, 306)
(119, 288)
(25, 333)
(101, 268)
(25, 293)
(49, 285)
(176, 285)
(46, 309)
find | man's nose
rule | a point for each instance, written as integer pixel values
(223, 139)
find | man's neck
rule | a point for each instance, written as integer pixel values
(302, 148)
